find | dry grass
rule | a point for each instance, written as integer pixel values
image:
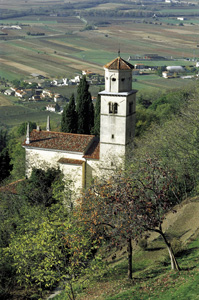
(4, 101)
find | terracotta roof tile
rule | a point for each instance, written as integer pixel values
(60, 141)
(70, 161)
(119, 64)
(94, 150)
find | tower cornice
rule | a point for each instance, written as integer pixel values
(120, 94)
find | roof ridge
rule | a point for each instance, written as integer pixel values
(66, 133)
(119, 64)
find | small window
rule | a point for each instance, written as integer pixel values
(113, 79)
(110, 107)
(122, 79)
(112, 164)
(115, 108)
(106, 78)
(112, 136)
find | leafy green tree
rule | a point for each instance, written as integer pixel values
(16, 83)
(144, 119)
(176, 143)
(160, 70)
(22, 129)
(69, 117)
(38, 253)
(85, 109)
(32, 247)
(38, 189)
(82, 252)
(17, 159)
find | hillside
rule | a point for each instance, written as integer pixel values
(152, 278)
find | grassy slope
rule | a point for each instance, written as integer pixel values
(153, 278)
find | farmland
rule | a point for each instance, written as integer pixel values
(57, 39)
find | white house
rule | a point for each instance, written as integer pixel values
(47, 93)
(82, 157)
(76, 80)
(57, 98)
(9, 92)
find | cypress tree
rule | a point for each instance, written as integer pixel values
(69, 117)
(96, 129)
(5, 164)
(85, 109)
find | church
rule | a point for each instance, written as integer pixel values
(82, 157)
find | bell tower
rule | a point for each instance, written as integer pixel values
(118, 102)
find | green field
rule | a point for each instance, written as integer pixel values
(66, 48)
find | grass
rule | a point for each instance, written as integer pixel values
(11, 116)
(9, 73)
(152, 277)
(19, 21)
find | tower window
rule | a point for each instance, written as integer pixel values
(113, 79)
(110, 107)
(113, 108)
(112, 136)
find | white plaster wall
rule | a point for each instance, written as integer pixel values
(122, 83)
(42, 158)
(73, 173)
(117, 128)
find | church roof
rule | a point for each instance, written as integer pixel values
(61, 141)
(119, 64)
(94, 150)
(70, 161)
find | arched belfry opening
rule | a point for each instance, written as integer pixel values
(113, 83)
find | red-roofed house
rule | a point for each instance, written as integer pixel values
(82, 157)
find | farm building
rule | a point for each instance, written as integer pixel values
(9, 92)
(82, 157)
(175, 69)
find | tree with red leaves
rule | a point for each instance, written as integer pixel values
(109, 210)
(155, 186)
(129, 204)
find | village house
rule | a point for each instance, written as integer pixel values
(83, 157)
(20, 93)
(76, 80)
(167, 74)
(47, 94)
(88, 73)
(53, 107)
(9, 92)
(58, 98)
